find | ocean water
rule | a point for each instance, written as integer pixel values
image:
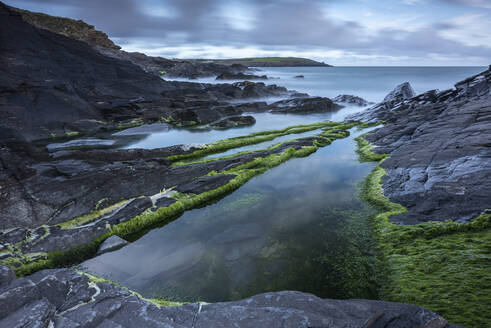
(370, 83)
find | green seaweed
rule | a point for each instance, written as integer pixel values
(251, 139)
(152, 217)
(96, 214)
(442, 266)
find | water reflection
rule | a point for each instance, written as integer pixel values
(264, 121)
(299, 226)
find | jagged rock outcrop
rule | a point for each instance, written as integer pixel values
(352, 100)
(439, 145)
(304, 105)
(401, 92)
(64, 298)
(391, 103)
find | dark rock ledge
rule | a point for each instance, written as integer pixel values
(64, 298)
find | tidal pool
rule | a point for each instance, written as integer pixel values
(299, 226)
(264, 121)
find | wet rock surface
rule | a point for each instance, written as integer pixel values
(439, 145)
(234, 121)
(304, 105)
(352, 100)
(111, 244)
(64, 298)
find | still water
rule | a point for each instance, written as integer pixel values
(298, 226)
(264, 121)
(371, 83)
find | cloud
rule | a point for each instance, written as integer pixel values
(281, 26)
(472, 3)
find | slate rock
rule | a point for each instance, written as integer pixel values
(352, 100)
(6, 275)
(439, 148)
(304, 105)
(401, 92)
(112, 243)
(234, 121)
(205, 183)
(69, 299)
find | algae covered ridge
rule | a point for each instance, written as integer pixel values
(442, 266)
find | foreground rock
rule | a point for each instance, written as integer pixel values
(64, 298)
(439, 165)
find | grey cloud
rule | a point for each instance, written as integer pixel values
(280, 24)
(471, 3)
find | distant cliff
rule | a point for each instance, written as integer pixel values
(267, 62)
(75, 29)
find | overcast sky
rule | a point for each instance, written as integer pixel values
(339, 32)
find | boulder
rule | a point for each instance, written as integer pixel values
(234, 121)
(112, 243)
(305, 105)
(352, 100)
(299, 76)
(401, 92)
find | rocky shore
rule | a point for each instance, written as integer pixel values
(58, 206)
(63, 298)
(439, 148)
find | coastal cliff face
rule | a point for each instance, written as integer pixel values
(54, 86)
(75, 29)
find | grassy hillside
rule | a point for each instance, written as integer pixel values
(266, 61)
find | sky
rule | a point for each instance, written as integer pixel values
(338, 32)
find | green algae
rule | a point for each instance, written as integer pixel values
(251, 139)
(88, 218)
(156, 301)
(152, 217)
(442, 266)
